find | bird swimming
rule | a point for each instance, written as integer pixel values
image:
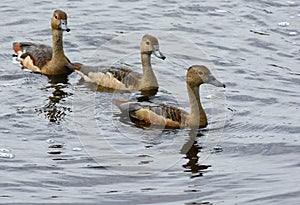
(118, 78)
(44, 59)
(169, 116)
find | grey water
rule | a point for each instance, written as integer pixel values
(66, 142)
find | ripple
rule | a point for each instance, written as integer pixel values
(283, 24)
(261, 44)
(6, 153)
(248, 98)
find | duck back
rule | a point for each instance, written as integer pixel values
(39, 53)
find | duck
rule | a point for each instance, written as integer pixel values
(44, 59)
(120, 78)
(170, 116)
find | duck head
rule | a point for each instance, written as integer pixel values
(149, 45)
(59, 21)
(198, 74)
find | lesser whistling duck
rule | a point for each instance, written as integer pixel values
(123, 78)
(169, 116)
(42, 58)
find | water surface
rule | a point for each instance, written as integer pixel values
(65, 143)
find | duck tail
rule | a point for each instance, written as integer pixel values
(77, 66)
(17, 47)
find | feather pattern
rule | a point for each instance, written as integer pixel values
(123, 78)
(128, 77)
(39, 53)
(167, 111)
(149, 113)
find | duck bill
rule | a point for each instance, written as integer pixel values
(157, 52)
(213, 81)
(63, 25)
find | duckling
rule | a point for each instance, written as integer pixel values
(42, 58)
(169, 116)
(123, 78)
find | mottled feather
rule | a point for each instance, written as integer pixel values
(168, 112)
(39, 53)
(124, 75)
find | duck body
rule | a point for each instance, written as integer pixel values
(121, 78)
(42, 58)
(169, 116)
(117, 78)
(149, 114)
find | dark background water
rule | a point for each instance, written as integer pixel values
(65, 143)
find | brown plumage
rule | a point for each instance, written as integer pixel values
(42, 58)
(128, 77)
(171, 117)
(124, 78)
(167, 111)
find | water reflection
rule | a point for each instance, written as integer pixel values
(191, 149)
(53, 109)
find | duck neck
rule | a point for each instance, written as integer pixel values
(149, 80)
(197, 115)
(57, 44)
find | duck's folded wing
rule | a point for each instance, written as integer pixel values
(138, 110)
(124, 75)
(167, 111)
(40, 54)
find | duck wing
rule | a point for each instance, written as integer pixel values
(40, 54)
(124, 76)
(127, 76)
(149, 113)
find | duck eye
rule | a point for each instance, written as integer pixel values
(147, 42)
(55, 16)
(200, 73)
